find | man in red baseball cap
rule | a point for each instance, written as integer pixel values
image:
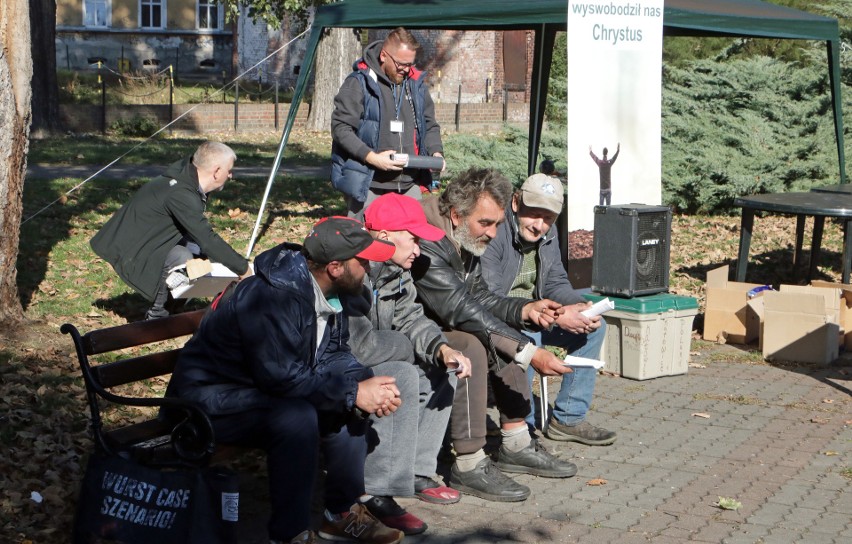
(391, 335)
(271, 367)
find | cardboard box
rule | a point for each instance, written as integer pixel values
(844, 315)
(727, 316)
(798, 325)
(648, 336)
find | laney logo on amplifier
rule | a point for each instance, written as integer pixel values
(654, 242)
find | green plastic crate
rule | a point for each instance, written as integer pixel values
(649, 304)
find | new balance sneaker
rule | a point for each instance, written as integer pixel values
(389, 512)
(535, 460)
(359, 525)
(584, 433)
(487, 482)
(428, 490)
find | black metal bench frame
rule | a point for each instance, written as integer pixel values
(185, 437)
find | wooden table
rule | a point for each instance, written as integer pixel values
(819, 205)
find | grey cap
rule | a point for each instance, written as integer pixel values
(543, 191)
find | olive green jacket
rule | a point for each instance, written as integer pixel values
(137, 238)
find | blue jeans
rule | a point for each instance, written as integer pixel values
(575, 395)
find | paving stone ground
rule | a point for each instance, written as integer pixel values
(777, 439)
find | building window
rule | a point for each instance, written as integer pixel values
(152, 13)
(96, 13)
(209, 15)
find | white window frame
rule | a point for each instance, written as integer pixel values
(108, 14)
(163, 14)
(220, 22)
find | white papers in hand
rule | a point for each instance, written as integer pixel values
(570, 360)
(599, 307)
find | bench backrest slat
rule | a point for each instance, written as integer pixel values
(136, 369)
(143, 332)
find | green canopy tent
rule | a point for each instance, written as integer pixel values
(680, 18)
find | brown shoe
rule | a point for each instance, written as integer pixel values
(359, 526)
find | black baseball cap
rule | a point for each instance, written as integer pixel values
(339, 238)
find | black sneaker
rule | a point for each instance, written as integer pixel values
(535, 460)
(487, 482)
(389, 512)
(584, 433)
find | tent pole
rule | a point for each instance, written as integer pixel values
(301, 83)
(834, 80)
(545, 37)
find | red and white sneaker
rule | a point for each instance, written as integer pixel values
(428, 490)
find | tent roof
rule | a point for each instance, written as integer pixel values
(698, 17)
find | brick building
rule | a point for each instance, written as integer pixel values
(192, 36)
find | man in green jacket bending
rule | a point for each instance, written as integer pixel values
(163, 226)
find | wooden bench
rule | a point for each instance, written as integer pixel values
(185, 438)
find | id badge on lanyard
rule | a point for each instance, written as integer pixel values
(397, 126)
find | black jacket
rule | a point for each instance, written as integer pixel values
(137, 238)
(450, 287)
(261, 341)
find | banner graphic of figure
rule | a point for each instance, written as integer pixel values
(614, 105)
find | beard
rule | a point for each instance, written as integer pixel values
(349, 283)
(468, 242)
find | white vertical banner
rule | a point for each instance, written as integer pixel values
(614, 103)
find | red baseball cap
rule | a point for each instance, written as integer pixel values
(395, 212)
(342, 238)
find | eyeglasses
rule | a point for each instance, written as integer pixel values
(399, 65)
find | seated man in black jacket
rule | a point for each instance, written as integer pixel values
(450, 287)
(271, 366)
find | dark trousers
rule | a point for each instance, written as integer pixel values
(291, 431)
(508, 382)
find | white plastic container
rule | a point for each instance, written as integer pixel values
(648, 336)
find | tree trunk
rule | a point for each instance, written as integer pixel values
(45, 100)
(337, 50)
(16, 70)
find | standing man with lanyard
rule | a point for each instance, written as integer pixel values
(383, 109)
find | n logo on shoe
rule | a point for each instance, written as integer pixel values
(355, 529)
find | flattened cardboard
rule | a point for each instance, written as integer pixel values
(798, 328)
(195, 268)
(208, 285)
(727, 316)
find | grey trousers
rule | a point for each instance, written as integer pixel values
(406, 443)
(177, 255)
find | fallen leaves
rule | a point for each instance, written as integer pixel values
(726, 503)
(596, 482)
(235, 213)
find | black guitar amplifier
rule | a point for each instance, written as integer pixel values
(631, 249)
